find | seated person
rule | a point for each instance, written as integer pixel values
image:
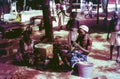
(81, 47)
(26, 49)
(72, 25)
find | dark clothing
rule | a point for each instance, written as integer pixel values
(72, 23)
(1, 7)
(20, 4)
(28, 4)
(57, 1)
(21, 44)
(112, 24)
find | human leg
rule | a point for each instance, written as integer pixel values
(118, 54)
(112, 43)
(111, 51)
(65, 56)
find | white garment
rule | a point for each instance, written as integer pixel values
(90, 6)
(83, 5)
(13, 8)
(64, 7)
(118, 38)
(72, 35)
(115, 38)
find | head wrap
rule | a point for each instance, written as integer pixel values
(84, 27)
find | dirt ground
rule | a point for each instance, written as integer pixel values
(99, 55)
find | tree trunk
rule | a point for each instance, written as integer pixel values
(98, 5)
(47, 20)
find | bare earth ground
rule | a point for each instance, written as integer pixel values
(99, 56)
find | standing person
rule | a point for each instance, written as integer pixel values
(115, 38)
(105, 5)
(105, 8)
(112, 24)
(83, 6)
(20, 5)
(73, 22)
(89, 4)
(64, 11)
(27, 4)
(61, 14)
(72, 25)
(90, 8)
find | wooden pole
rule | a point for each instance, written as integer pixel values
(98, 5)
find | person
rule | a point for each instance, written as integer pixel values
(72, 24)
(112, 24)
(64, 13)
(61, 14)
(83, 6)
(81, 47)
(20, 4)
(28, 4)
(105, 5)
(26, 50)
(115, 37)
(111, 31)
(83, 44)
(90, 8)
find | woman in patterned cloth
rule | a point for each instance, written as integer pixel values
(81, 48)
(82, 45)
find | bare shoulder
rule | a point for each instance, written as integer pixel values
(89, 38)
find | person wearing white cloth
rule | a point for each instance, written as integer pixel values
(83, 6)
(115, 38)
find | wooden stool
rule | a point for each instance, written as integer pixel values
(45, 50)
